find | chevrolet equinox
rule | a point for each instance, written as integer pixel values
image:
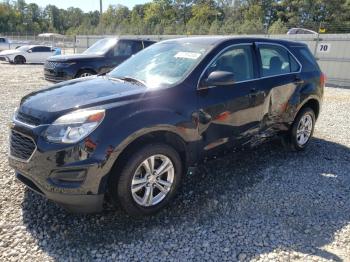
(133, 133)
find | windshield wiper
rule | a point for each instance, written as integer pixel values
(133, 80)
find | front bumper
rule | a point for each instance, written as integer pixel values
(5, 58)
(56, 75)
(73, 176)
(72, 203)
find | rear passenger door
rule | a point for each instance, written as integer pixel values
(280, 77)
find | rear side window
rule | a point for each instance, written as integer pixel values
(41, 49)
(307, 59)
(276, 60)
(147, 43)
(137, 46)
(2, 40)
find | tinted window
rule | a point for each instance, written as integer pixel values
(276, 60)
(137, 46)
(2, 40)
(147, 43)
(123, 48)
(237, 60)
(41, 49)
(307, 59)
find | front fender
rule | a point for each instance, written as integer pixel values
(139, 123)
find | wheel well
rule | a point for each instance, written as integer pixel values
(166, 137)
(85, 70)
(20, 56)
(314, 105)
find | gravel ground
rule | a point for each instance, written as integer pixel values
(263, 204)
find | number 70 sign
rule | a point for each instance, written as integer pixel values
(323, 48)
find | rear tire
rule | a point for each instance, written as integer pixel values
(143, 191)
(19, 60)
(301, 130)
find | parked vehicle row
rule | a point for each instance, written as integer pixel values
(134, 132)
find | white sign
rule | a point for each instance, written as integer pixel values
(188, 55)
(323, 48)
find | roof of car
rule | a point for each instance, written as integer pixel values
(216, 40)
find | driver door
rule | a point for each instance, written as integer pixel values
(228, 116)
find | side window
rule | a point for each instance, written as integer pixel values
(137, 46)
(276, 60)
(237, 60)
(123, 48)
(307, 59)
(147, 43)
(2, 40)
(35, 49)
(45, 49)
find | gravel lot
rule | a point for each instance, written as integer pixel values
(263, 204)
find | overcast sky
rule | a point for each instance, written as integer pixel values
(87, 5)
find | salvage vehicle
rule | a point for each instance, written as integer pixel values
(100, 58)
(132, 134)
(28, 54)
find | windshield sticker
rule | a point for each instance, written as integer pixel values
(188, 55)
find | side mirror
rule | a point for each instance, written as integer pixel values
(218, 78)
(29, 51)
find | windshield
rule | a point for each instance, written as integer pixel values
(23, 48)
(101, 46)
(163, 64)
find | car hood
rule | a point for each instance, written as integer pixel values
(9, 52)
(50, 103)
(66, 58)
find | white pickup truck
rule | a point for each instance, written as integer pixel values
(4, 43)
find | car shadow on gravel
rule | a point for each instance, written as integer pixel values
(252, 202)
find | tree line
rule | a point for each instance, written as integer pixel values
(192, 17)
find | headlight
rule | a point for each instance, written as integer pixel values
(66, 64)
(73, 127)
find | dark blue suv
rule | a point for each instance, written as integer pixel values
(134, 132)
(100, 58)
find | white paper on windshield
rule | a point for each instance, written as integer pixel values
(188, 55)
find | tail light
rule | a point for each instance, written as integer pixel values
(323, 79)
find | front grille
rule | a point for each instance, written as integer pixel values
(21, 146)
(50, 64)
(27, 119)
(2, 58)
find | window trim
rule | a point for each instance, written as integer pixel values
(288, 51)
(253, 79)
(217, 56)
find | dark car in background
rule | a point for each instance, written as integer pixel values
(100, 58)
(134, 132)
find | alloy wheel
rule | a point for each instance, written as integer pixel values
(304, 129)
(152, 180)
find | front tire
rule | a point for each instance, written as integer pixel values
(302, 130)
(85, 73)
(148, 180)
(19, 60)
